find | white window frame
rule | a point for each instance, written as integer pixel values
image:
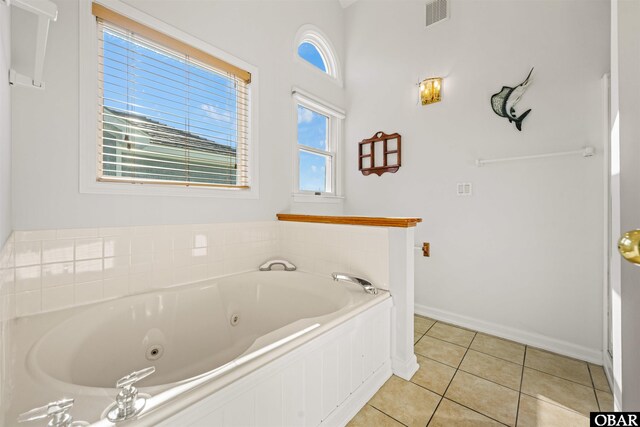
(311, 34)
(334, 141)
(88, 112)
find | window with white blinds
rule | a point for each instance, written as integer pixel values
(169, 113)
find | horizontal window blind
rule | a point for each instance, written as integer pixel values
(167, 117)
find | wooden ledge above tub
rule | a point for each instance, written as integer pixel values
(371, 221)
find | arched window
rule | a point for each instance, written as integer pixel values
(310, 53)
(313, 47)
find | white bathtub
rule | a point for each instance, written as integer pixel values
(214, 339)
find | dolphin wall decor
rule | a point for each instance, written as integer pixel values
(504, 102)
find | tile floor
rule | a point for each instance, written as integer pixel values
(467, 378)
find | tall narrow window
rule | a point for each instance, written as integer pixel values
(318, 132)
(169, 113)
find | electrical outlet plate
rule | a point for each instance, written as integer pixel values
(426, 249)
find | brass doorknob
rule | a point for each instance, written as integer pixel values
(629, 246)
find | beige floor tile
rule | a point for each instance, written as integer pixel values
(605, 400)
(560, 366)
(493, 400)
(370, 416)
(537, 413)
(422, 324)
(497, 347)
(493, 369)
(559, 391)
(405, 401)
(416, 337)
(433, 375)
(441, 351)
(452, 334)
(599, 378)
(450, 414)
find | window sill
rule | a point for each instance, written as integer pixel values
(312, 198)
(88, 186)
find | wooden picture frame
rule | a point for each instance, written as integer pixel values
(379, 154)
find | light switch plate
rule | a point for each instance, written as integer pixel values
(464, 189)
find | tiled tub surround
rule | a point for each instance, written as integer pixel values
(53, 269)
(48, 270)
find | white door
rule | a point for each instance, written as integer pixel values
(625, 212)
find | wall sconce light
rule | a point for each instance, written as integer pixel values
(430, 90)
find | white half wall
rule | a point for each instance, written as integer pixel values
(525, 250)
(45, 123)
(5, 124)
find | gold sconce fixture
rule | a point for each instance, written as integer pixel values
(430, 90)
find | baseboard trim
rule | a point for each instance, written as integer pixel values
(356, 401)
(513, 334)
(608, 371)
(405, 369)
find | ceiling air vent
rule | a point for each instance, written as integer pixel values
(437, 10)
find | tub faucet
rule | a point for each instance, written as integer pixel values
(368, 287)
(128, 403)
(57, 412)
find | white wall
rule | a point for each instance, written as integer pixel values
(45, 139)
(5, 124)
(522, 256)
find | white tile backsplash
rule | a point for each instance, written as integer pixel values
(90, 248)
(27, 253)
(7, 307)
(48, 270)
(77, 233)
(115, 267)
(117, 246)
(88, 271)
(36, 235)
(29, 302)
(28, 278)
(57, 250)
(58, 297)
(88, 292)
(7, 281)
(57, 274)
(115, 287)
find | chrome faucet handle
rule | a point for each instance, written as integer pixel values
(134, 377)
(56, 411)
(128, 404)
